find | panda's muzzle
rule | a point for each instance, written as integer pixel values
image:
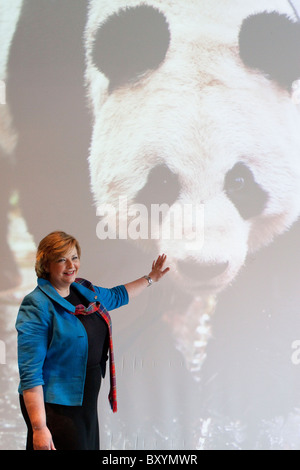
(201, 273)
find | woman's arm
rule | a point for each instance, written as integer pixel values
(134, 288)
(34, 402)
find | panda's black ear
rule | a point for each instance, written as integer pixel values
(130, 43)
(270, 43)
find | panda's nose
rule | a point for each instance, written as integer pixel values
(201, 272)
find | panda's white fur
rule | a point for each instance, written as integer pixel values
(199, 113)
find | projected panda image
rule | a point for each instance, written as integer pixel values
(174, 122)
(157, 126)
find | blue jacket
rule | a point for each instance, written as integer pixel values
(52, 343)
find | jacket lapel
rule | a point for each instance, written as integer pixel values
(86, 289)
(79, 285)
(49, 290)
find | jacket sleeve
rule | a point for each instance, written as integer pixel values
(34, 328)
(112, 298)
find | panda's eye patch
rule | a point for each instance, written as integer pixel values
(162, 187)
(243, 191)
(130, 43)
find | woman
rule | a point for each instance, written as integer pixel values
(64, 337)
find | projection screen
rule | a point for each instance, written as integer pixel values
(150, 127)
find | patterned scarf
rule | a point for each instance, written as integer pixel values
(97, 307)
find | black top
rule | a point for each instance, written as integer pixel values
(96, 328)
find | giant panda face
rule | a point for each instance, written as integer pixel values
(186, 111)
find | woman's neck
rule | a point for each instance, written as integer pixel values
(63, 291)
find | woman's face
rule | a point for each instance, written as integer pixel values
(63, 271)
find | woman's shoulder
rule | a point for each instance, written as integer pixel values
(34, 307)
(36, 293)
(35, 298)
